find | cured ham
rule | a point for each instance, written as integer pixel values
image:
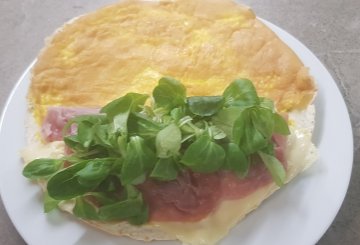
(57, 117)
(191, 197)
(280, 145)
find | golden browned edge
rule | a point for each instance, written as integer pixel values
(247, 48)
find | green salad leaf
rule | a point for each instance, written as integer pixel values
(118, 111)
(85, 133)
(141, 217)
(132, 206)
(64, 185)
(49, 203)
(236, 160)
(226, 118)
(40, 168)
(204, 155)
(143, 126)
(275, 168)
(94, 172)
(139, 161)
(267, 103)
(85, 210)
(165, 169)
(280, 125)
(168, 141)
(205, 106)
(169, 94)
(242, 93)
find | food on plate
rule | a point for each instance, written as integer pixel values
(167, 120)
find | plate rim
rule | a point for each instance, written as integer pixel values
(275, 28)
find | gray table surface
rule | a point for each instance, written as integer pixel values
(331, 29)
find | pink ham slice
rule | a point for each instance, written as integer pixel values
(192, 196)
(57, 117)
(234, 187)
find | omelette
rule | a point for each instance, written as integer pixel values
(129, 46)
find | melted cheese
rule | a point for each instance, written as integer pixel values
(35, 150)
(126, 47)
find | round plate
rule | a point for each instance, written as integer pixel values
(299, 213)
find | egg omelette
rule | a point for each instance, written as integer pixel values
(128, 46)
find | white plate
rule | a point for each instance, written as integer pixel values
(298, 214)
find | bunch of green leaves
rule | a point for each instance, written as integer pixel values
(130, 141)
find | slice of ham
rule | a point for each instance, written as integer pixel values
(280, 145)
(57, 117)
(234, 187)
(192, 196)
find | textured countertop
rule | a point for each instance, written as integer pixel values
(331, 29)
